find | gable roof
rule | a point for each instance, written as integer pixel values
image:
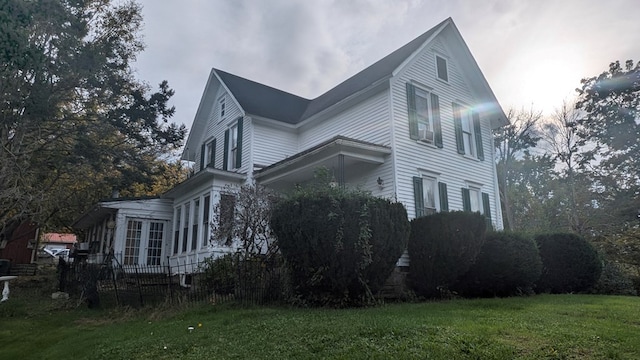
(263, 100)
(268, 102)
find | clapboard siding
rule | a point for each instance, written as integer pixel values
(272, 144)
(414, 158)
(216, 126)
(366, 121)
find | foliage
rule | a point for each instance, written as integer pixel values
(569, 263)
(613, 281)
(220, 274)
(340, 245)
(74, 121)
(508, 264)
(512, 142)
(442, 247)
(611, 104)
(244, 220)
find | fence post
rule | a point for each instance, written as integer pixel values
(169, 278)
(138, 283)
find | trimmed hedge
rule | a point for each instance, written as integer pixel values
(340, 245)
(442, 247)
(569, 263)
(508, 264)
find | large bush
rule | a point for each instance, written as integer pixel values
(508, 264)
(569, 263)
(442, 247)
(340, 245)
(613, 281)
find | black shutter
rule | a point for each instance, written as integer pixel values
(225, 163)
(457, 122)
(238, 159)
(466, 200)
(478, 134)
(203, 150)
(411, 108)
(212, 154)
(437, 128)
(444, 198)
(418, 196)
(487, 208)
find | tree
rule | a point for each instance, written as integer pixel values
(74, 121)
(610, 103)
(242, 215)
(511, 143)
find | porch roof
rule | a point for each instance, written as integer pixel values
(301, 166)
(205, 175)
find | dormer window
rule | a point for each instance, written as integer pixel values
(442, 71)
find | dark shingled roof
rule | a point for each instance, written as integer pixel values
(268, 102)
(263, 100)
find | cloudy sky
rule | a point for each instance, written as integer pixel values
(533, 53)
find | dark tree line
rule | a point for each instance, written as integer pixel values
(579, 170)
(75, 123)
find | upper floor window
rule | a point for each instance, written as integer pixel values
(222, 107)
(233, 146)
(424, 115)
(468, 131)
(441, 68)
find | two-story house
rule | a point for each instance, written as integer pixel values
(416, 127)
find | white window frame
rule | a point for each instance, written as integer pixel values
(233, 146)
(446, 68)
(138, 253)
(424, 121)
(468, 132)
(432, 183)
(475, 193)
(208, 151)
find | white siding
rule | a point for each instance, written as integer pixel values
(272, 144)
(366, 121)
(452, 168)
(216, 126)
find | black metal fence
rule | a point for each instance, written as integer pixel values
(247, 282)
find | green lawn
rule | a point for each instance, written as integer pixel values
(538, 327)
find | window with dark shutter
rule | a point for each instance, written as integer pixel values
(441, 68)
(478, 134)
(466, 200)
(437, 128)
(457, 122)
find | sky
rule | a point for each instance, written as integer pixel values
(533, 53)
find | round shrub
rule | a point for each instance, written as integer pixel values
(508, 264)
(442, 247)
(569, 263)
(613, 281)
(340, 245)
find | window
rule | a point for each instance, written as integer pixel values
(468, 131)
(476, 201)
(196, 221)
(222, 107)
(424, 115)
(426, 191)
(132, 242)
(233, 146)
(154, 248)
(185, 227)
(441, 68)
(211, 153)
(227, 215)
(176, 230)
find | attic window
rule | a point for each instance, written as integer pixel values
(222, 107)
(441, 68)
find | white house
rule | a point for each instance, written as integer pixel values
(416, 126)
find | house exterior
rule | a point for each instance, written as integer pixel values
(415, 127)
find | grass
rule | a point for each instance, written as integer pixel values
(537, 327)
